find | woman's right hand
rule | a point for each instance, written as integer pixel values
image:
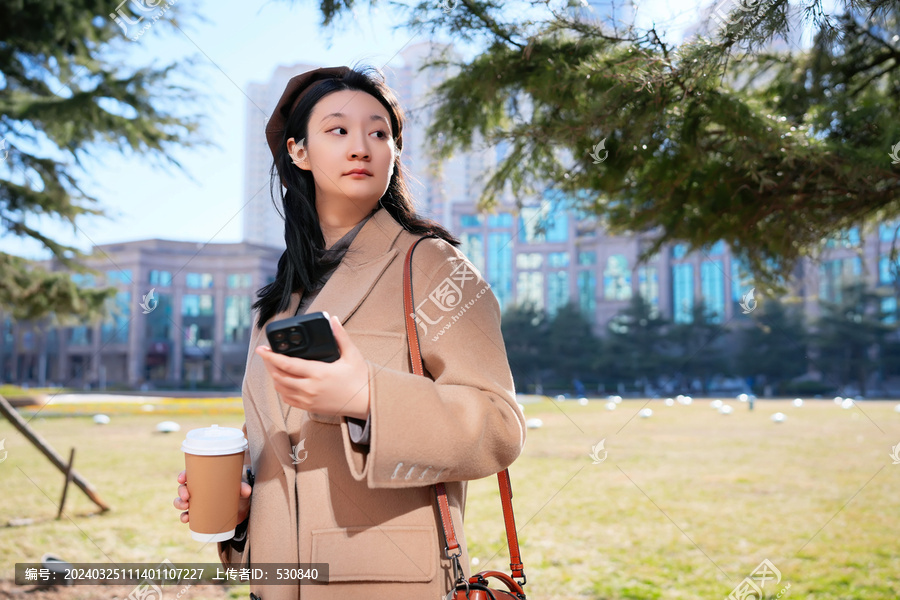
(182, 502)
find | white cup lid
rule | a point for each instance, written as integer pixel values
(214, 441)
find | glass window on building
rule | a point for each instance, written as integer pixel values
(557, 291)
(197, 305)
(122, 276)
(889, 310)
(836, 274)
(115, 328)
(539, 224)
(617, 278)
(529, 260)
(500, 267)
(80, 335)
(199, 280)
(847, 238)
(472, 245)
(587, 293)
(237, 318)
(530, 288)
(887, 272)
(84, 280)
(648, 286)
(679, 251)
(159, 320)
(682, 293)
(53, 341)
(712, 286)
(558, 259)
(470, 220)
(500, 220)
(587, 258)
(717, 249)
(160, 278)
(741, 279)
(887, 230)
(238, 280)
(198, 320)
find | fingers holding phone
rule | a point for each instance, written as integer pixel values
(331, 376)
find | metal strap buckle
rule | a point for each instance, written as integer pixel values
(458, 575)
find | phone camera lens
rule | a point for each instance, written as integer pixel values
(278, 336)
(282, 346)
(296, 337)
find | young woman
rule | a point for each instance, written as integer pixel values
(344, 455)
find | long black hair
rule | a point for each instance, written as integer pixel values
(302, 264)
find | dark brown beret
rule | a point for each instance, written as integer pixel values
(296, 88)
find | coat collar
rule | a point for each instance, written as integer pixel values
(369, 254)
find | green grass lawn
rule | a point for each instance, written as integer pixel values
(686, 504)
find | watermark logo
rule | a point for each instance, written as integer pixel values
(742, 10)
(596, 153)
(130, 13)
(4, 153)
(751, 588)
(895, 154)
(3, 451)
(723, 10)
(448, 5)
(895, 453)
(149, 299)
(446, 298)
(748, 302)
(595, 453)
(295, 452)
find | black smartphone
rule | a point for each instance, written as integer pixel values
(304, 336)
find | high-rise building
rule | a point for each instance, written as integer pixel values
(262, 222)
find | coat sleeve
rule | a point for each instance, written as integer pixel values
(461, 421)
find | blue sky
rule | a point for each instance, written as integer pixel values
(237, 43)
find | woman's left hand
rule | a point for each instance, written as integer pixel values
(337, 388)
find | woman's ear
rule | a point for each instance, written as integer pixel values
(299, 155)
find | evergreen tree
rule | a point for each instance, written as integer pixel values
(524, 329)
(634, 348)
(774, 344)
(571, 348)
(848, 336)
(696, 348)
(65, 97)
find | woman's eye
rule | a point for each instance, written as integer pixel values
(381, 133)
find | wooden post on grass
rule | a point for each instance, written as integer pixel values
(66, 485)
(13, 415)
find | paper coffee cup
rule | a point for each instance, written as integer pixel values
(213, 459)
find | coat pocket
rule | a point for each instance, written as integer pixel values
(381, 553)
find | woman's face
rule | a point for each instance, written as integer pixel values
(348, 131)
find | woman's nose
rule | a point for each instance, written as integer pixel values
(359, 149)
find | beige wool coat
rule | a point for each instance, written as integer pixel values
(370, 512)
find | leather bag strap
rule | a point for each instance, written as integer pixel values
(415, 356)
